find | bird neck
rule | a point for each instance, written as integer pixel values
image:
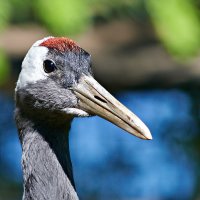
(46, 163)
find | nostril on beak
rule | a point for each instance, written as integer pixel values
(100, 99)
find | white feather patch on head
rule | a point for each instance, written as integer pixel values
(32, 65)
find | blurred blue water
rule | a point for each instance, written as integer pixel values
(110, 163)
(10, 150)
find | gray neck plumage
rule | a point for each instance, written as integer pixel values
(46, 164)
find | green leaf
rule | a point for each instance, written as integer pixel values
(4, 68)
(177, 25)
(63, 16)
(5, 13)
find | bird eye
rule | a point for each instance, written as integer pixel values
(49, 66)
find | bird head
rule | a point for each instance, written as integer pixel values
(56, 82)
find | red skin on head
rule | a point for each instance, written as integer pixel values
(61, 44)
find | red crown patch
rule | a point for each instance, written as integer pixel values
(61, 44)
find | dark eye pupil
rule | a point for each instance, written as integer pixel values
(49, 66)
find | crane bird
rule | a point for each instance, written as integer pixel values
(54, 86)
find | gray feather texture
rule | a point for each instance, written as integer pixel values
(46, 161)
(43, 127)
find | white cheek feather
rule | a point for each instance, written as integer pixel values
(32, 65)
(75, 112)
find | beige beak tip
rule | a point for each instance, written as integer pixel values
(149, 137)
(147, 134)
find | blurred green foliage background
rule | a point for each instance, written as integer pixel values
(64, 17)
(176, 22)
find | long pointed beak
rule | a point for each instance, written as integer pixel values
(94, 99)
